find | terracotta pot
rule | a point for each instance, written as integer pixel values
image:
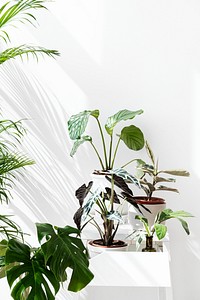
(96, 246)
(155, 205)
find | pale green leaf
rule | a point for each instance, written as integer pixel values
(176, 172)
(122, 115)
(79, 142)
(160, 230)
(150, 152)
(77, 123)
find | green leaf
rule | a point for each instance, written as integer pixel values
(160, 230)
(165, 188)
(176, 172)
(184, 225)
(25, 50)
(78, 123)
(19, 12)
(3, 247)
(64, 249)
(32, 274)
(122, 115)
(150, 152)
(142, 219)
(133, 137)
(79, 142)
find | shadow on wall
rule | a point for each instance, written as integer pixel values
(46, 194)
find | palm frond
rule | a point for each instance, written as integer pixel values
(26, 50)
(10, 165)
(18, 11)
(9, 228)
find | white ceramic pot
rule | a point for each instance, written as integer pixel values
(155, 205)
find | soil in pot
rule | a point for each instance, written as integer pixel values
(96, 246)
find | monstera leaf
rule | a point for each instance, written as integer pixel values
(40, 271)
(78, 123)
(32, 273)
(62, 250)
(122, 115)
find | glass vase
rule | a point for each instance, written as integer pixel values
(149, 245)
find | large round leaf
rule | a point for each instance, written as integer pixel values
(132, 137)
(121, 115)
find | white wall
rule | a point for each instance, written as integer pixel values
(114, 55)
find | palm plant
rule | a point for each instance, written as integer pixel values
(13, 12)
(11, 163)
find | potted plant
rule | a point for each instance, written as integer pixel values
(107, 201)
(151, 180)
(158, 228)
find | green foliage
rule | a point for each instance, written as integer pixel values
(149, 175)
(158, 227)
(12, 13)
(26, 50)
(38, 272)
(131, 136)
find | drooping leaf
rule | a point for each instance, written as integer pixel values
(162, 179)
(120, 182)
(62, 250)
(82, 192)
(165, 188)
(121, 115)
(78, 217)
(169, 213)
(79, 142)
(26, 51)
(78, 123)
(160, 230)
(37, 279)
(126, 176)
(107, 195)
(133, 137)
(176, 172)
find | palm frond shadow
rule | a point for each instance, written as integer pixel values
(48, 188)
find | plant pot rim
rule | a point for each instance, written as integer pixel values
(145, 200)
(116, 244)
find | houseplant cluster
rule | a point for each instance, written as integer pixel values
(145, 176)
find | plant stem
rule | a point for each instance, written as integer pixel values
(97, 153)
(110, 151)
(104, 145)
(114, 156)
(132, 160)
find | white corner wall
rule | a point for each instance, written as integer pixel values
(114, 55)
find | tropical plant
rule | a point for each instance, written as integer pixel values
(131, 135)
(107, 203)
(105, 200)
(159, 228)
(37, 273)
(16, 12)
(149, 175)
(12, 163)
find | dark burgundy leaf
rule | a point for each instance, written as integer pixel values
(77, 217)
(120, 182)
(82, 192)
